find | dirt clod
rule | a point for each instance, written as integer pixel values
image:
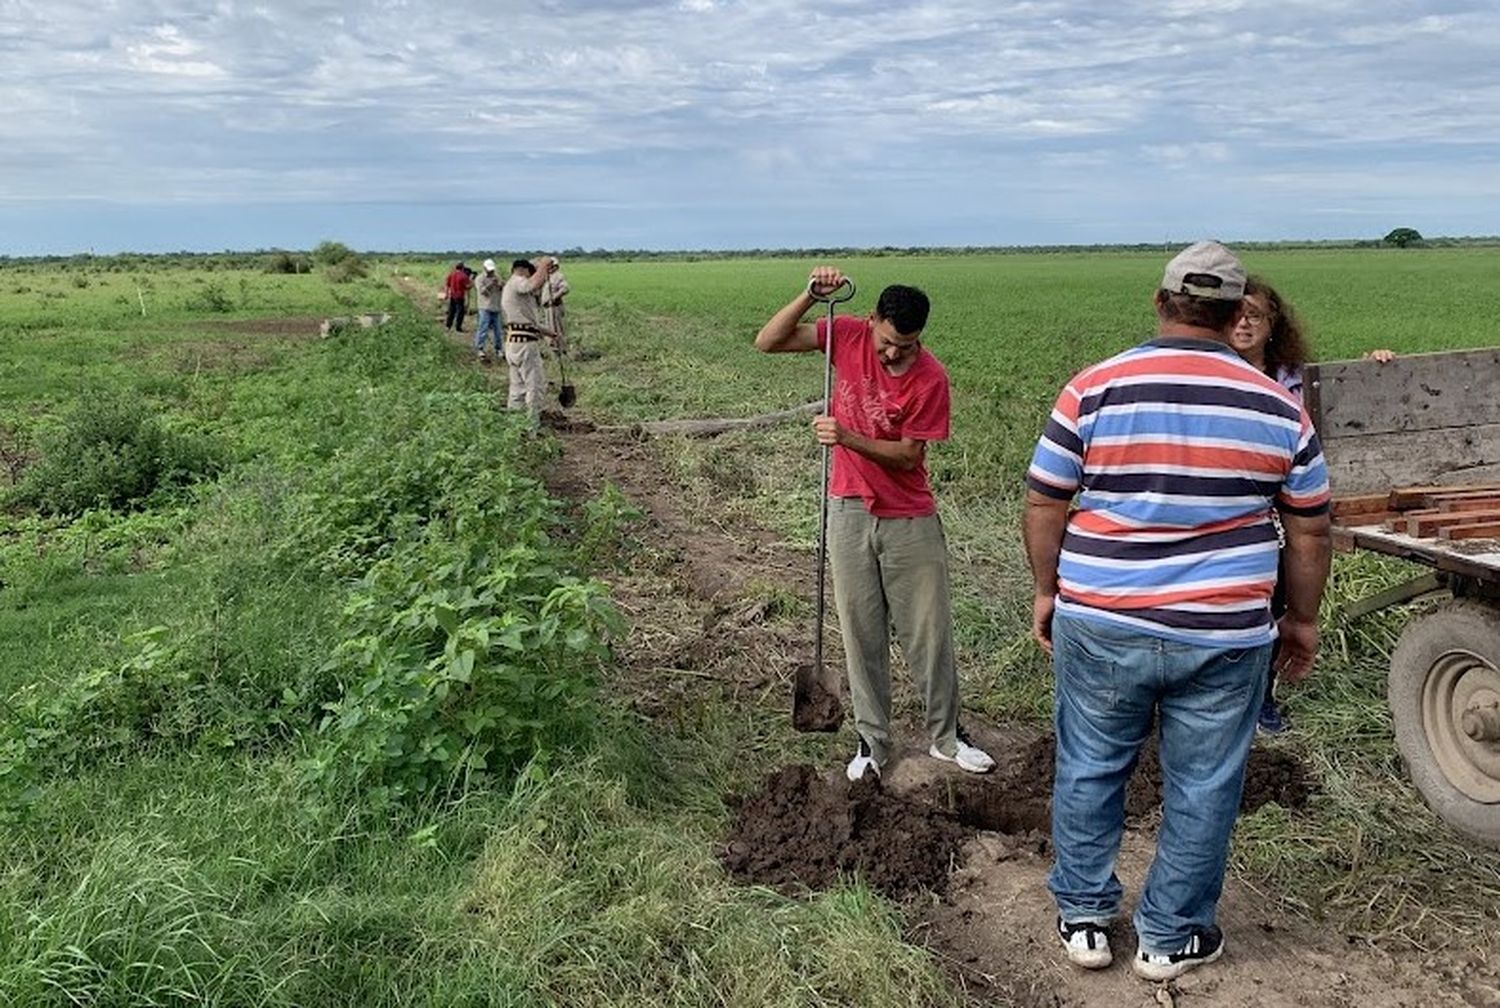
(801, 830)
(559, 421)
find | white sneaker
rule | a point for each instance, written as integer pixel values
(863, 761)
(1086, 943)
(968, 756)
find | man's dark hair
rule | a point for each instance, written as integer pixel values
(1205, 313)
(904, 307)
(522, 264)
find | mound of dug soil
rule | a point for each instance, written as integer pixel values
(1271, 775)
(801, 830)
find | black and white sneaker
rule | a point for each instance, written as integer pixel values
(1206, 945)
(864, 760)
(1086, 943)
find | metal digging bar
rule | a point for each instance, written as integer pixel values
(815, 695)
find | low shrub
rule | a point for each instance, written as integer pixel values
(468, 647)
(209, 298)
(285, 262)
(462, 661)
(111, 451)
(346, 270)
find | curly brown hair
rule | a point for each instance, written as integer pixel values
(1287, 347)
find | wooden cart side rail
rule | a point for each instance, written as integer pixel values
(1419, 419)
(1432, 554)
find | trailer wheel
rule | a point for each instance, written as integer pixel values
(1444, 693)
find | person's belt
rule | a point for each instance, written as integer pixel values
(522, 333)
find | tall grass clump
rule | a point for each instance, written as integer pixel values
(140, 924)
(112, 451)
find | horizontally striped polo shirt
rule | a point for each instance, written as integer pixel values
(1177, 451)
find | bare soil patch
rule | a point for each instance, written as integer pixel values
(232, 345)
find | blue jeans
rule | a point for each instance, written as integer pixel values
(489, 321)
(1112, 683)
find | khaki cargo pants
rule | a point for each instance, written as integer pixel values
(893, 573)
(528, 382)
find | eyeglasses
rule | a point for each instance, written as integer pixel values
(1253, 317)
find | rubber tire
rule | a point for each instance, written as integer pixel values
(1472, 626)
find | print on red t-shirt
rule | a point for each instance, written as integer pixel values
(869, 400)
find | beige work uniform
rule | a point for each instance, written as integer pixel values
(523, 345)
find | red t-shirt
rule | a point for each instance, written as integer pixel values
(869, 400)
(458, 284)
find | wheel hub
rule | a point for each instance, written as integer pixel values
(1482, 724)
(1461, 716)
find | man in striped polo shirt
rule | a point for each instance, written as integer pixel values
(1153, 506)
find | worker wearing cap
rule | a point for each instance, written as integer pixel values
(488, 288)
(1150, 530)
(552, 295)
(524, 330)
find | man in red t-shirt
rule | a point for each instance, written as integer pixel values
(885, 541)
(457, 288)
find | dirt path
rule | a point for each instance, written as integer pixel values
(699, 624)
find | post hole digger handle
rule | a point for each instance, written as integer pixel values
(815, 705)
(844, 291)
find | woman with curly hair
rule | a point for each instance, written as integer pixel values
(1269, 335)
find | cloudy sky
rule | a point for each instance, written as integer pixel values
(158, 125)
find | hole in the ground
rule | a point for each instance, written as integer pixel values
(998, 804)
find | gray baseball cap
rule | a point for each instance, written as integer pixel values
(1207, 270)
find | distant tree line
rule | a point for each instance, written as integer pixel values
(341, 263)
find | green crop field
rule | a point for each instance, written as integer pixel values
(305, 682)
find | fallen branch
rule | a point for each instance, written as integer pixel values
(710, 426)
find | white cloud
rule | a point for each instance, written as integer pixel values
(166, 51)
(1188, 154)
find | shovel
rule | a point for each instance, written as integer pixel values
(815, 692)
(567, 395)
